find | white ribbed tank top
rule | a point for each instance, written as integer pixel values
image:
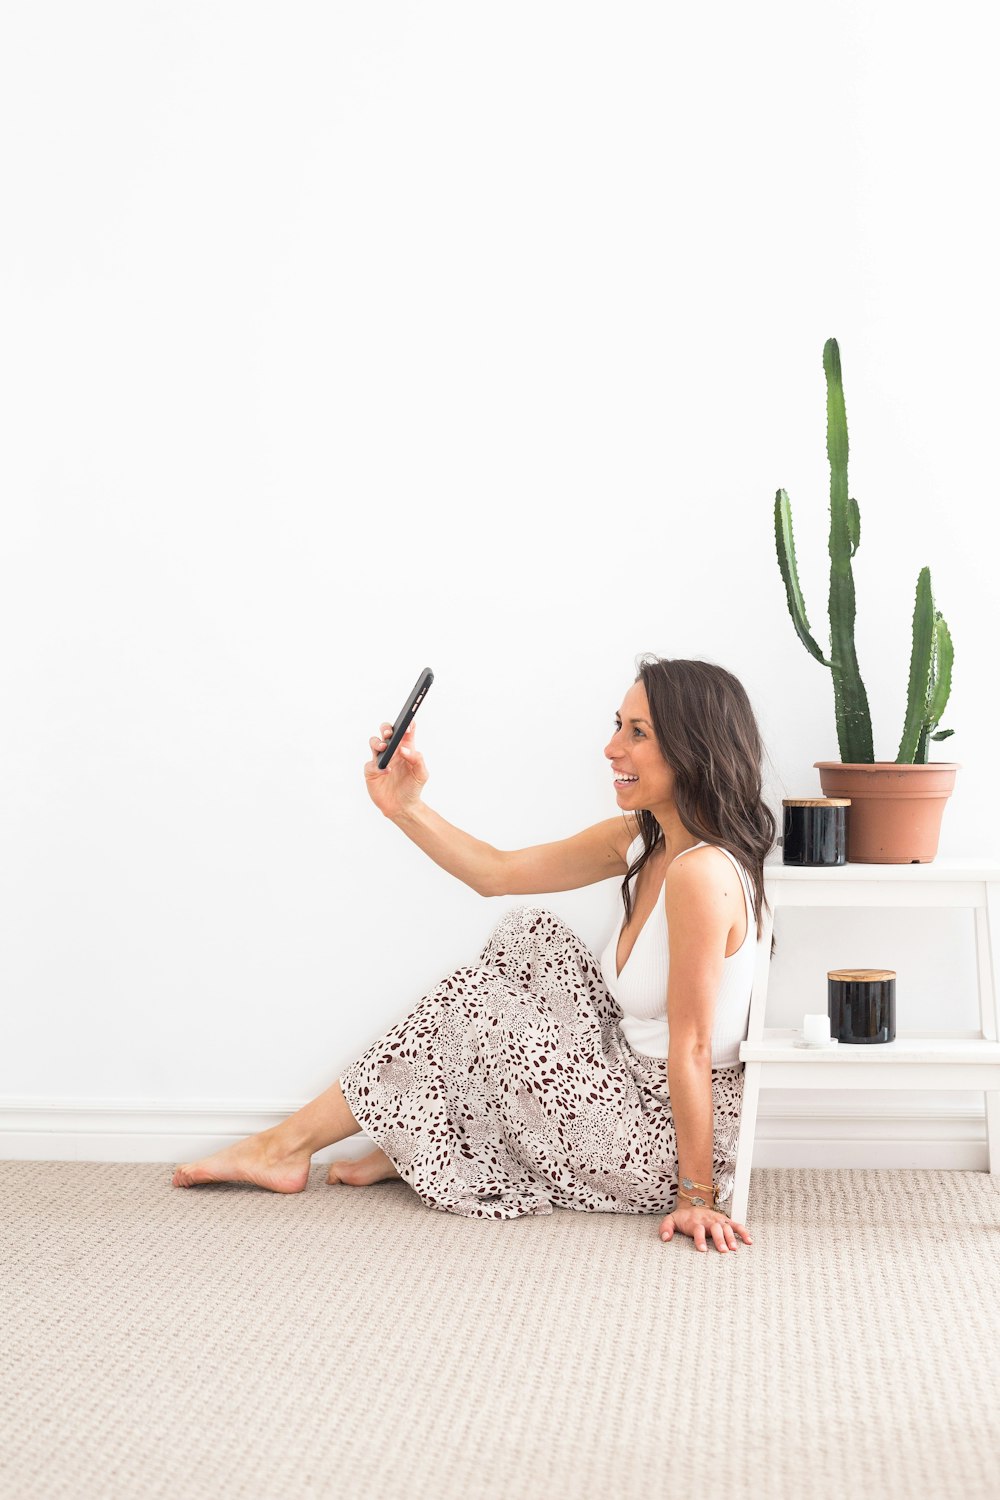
(641, 987)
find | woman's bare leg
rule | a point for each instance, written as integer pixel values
(278, 1158)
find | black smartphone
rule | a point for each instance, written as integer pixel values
(402, 720)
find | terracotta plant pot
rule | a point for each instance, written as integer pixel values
(895, 812)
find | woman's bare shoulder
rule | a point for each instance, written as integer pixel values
(702, 867)
(703, 875)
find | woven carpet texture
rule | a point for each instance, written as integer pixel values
(226, 1343)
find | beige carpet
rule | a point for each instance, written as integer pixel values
(227, 1342)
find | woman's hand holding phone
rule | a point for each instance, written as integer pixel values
(396, 789)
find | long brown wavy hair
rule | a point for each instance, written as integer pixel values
(708, 735)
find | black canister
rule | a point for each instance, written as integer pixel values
(815, 830)
(862, 1005)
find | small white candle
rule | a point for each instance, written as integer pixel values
(816, 1028)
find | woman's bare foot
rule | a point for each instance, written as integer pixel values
(374, 1167)
(263, 1159)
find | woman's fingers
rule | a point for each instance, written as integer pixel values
(725, 1233)
(386, 730)
(406, 745)
(732, 1233)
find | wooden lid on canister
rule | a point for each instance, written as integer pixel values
(851, 976)
(816, 802)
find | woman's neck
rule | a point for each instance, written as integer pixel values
(676, 838)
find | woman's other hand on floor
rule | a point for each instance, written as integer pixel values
(700, 1223)
(399, 786)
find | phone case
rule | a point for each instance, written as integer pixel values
(402, 721)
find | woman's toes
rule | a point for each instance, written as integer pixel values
(251, 1160)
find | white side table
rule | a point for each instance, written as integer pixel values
(915, 1060)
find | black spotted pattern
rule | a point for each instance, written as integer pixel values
(510, 1089)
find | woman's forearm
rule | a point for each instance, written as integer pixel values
(470, 860)
(689, 1081)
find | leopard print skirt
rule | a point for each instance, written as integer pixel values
(510, 1089)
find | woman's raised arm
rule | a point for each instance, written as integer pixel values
(597, 853)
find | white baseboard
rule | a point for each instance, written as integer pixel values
(139, 1130)
(864, 1132)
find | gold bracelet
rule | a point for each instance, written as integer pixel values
(702, 1202)
(708, 1186)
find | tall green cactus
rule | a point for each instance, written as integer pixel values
(854, 724)
(932, 654)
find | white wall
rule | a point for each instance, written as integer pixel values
(339, 341)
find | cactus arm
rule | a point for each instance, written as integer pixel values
(940, 686)
(785, 542)
(944, 656)
(921, 685)
(854, 728)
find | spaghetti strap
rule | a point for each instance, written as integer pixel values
(700, 845)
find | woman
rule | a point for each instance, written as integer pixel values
(541, 1076)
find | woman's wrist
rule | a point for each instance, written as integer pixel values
(698, 1198)
(411, 816)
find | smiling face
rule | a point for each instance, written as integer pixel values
(634, 753)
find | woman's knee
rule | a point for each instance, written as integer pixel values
(525, 917)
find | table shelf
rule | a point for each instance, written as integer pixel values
(778, 1045)
(926, 1059)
